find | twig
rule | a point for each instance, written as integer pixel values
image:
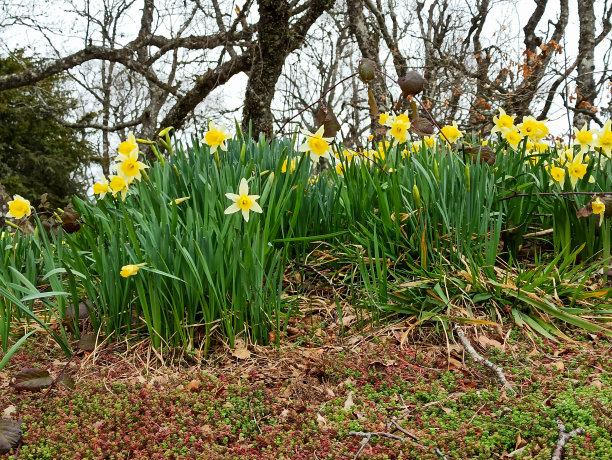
(433, 121)
(564, 436)
(485, 362)
(452, 395)
(548, 231)
(368, 435)
(254, 419)
(44, 396)
(414, 437)
(280, 131)
(440, 454)
(424, 109)
(363, 444)
(377, 433)
(516, 194)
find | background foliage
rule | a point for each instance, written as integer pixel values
(37, 154)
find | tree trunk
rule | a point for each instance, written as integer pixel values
(276, 40)
(585, 81)
(269, 57)
(368, 41)
(537, 57)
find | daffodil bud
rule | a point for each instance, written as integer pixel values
(243, 153)
(467, 177)
(436, 171)
(165, 131)
(145, 141)
(416, 195)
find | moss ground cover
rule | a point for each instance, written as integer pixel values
(301, 401)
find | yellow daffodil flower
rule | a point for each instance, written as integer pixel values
(119, 184)
(399, 129)
(513, 137)
(243, 201)
(340, 169)
(604, 139)
(533, 129)
(130, 270)
(129, 166)
(216, 137)
(403, 117)
(101, 187)
(557, 174)
(429, 141)
(18, 207)
(598, 207)
(576, 169)
(380, 153)
(503, 122)
(348, 154)
(565, 156)
(127, 147)
(313, 180)
(584, 138)
(451, 132)
(538, 147)
(382, 119)
(316, 144)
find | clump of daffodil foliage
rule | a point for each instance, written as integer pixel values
(193, 249)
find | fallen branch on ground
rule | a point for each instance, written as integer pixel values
(406, 432)
(485, 362)
(367, 436)
(564, 436)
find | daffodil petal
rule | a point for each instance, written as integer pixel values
(232, 209)
(244, 187)
(256, 208)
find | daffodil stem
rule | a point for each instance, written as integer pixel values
(145, 176)
(168, 144)
(158, 155)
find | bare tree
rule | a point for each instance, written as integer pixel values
(170, 70)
